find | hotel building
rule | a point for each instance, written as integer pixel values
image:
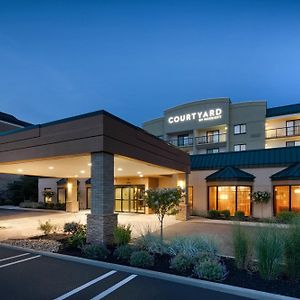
(234, 149)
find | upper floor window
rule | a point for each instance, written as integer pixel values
(183, 140)
(293, 127)
(213, 150)
(239, 128)
(293, 143)
(239, 147)
(212, 136)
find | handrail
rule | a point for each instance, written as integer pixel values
(286, 131)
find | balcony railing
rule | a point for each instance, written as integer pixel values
(182, 142)
(211, 139)
(200, 140)
(288, 131)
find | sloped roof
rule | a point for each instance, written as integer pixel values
(274, 157)
(283, 110)
(230, 174)
(11, 119)
(62, 181)
(88, 181)
(290, 173)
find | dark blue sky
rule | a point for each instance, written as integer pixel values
(138, 58)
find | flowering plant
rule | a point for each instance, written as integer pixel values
(261, 197)
(48, 194)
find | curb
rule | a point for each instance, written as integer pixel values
(218, 287)
(242, 223)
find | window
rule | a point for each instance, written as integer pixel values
(287, 198)
(239, 147)
(212, 136)
(232, 198)
(293, 143)
(239, 128)
(293, 127)
(213, 150)
(183, 140)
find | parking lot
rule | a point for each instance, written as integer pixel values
(32, 276)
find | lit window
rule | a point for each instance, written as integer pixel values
(213, 150)
(232, 198)
(239, 147)
(239, 128)
(293, 143)
(287, 198)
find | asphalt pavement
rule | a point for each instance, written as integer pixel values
(33, 276)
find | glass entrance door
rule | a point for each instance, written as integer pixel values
(129, 198)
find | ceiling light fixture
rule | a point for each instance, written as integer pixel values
(89, 164)
(50, 168)
(20, 170)
(141, 175)
(139, 172)
(82, 171)
(120, 169)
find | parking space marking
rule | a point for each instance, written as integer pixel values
(86, 285)
(19, 261)
(12, 257)
(114, 287)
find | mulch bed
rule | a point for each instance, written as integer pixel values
(236, 277)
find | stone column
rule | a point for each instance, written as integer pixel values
(102, 220)
(72, 204)
(184, 211)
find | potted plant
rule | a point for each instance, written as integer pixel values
(48, 194)
(261, 198)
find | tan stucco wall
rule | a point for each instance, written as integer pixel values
(262, 182)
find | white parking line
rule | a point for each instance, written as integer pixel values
(84, 286)
(114, 287)
(19, 261)
(12, 257)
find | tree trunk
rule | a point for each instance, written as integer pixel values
(161, 228)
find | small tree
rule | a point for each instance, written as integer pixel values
(163, 201)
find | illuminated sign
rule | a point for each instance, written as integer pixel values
(200, 116)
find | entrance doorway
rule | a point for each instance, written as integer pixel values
(129, 198)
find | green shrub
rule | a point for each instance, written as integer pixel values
(292, 250)
(60, 206)
(122, 234)
(210, 269)
(214, 214)
(98, 252)
(286, 217)
(181, 263)
(72, 227)
(269, 251)
(123, 252)
(49, 205)
(141, 259)
(151, 243)
(225, 213)
(29, 204)
(192, 246)
(47, 227)
(241, 247)
(77, 240)
(239, 215)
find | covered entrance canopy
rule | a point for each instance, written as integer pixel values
(97, 145)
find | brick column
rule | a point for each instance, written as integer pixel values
(72, 204)
(102, 220)
(184, 211)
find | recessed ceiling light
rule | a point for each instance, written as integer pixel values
(89, 164)
(50, 168)
(120, 169)
(139, 172)
(20, 170)
(82, 171)
(141, 175)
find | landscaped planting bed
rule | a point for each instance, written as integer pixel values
(275, 268)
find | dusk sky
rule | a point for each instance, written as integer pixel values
(138, 58)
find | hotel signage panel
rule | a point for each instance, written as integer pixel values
(200, 116)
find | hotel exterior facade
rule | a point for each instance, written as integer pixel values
(234, 149)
